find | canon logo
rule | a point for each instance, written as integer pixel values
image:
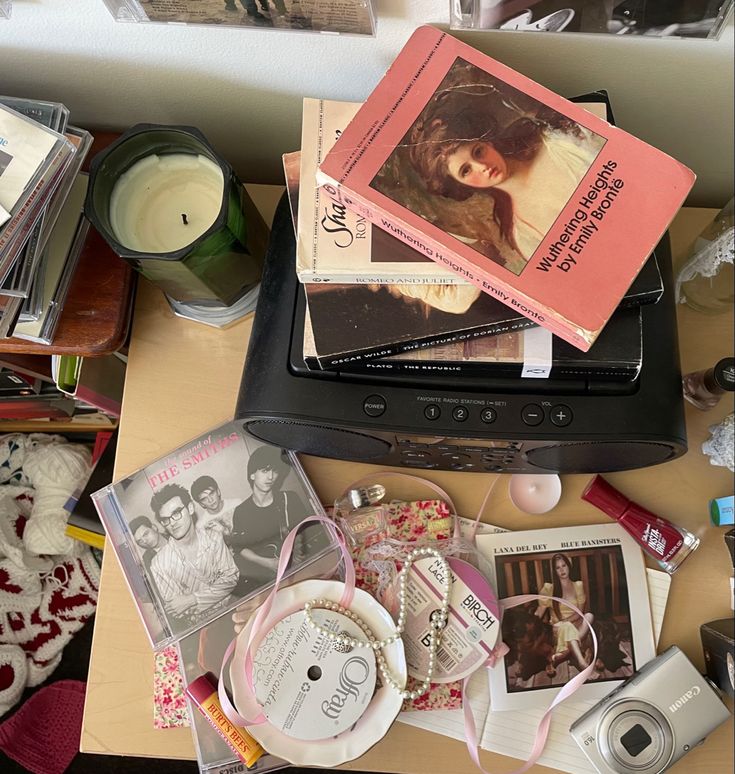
(695, 690)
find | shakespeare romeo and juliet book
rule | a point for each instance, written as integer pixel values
(335, 244)
(581, 203)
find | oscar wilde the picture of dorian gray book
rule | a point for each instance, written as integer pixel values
(581, 203)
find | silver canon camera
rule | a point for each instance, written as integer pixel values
(652, 719)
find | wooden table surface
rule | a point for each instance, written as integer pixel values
(183, 379)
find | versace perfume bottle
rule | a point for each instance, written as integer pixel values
(362, 515)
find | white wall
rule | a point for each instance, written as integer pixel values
(243, 87)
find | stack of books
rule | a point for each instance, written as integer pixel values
(51, 393)
(531, 200)
(372, 304)
(41, 225)
(464, 220)
(84, 522)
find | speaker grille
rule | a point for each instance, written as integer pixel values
(599, 456)
(318, 440)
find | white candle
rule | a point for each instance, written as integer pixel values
(163, 203)
(533, 493)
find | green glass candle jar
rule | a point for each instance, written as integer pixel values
(172, 208)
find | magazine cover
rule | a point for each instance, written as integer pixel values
(600, 569)
(333, 243)
(199, 531)
(617, 355)
(448, 124)
(684, 19)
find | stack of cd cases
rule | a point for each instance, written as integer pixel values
(41, 155)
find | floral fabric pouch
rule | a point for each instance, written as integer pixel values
(408, 522)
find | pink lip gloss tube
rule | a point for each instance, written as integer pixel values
(668, 544)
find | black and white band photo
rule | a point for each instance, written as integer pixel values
(205, 525)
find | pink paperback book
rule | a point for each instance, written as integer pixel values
(532, 198)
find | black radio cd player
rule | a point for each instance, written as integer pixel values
(453, 423)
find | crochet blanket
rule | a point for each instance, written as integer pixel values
(44, 597)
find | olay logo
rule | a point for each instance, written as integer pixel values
(354, 673)
(695, 690)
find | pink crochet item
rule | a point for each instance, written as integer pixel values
(43, 735)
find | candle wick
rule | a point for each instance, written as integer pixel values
(183, 217)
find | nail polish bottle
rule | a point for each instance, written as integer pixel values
(668, 544)
(730, 542)
(362, 516)
(704, 389)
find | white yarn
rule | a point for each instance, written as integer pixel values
(38, 473)
(55, 471)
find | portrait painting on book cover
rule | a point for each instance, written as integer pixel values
(550, 642)
(489, 165)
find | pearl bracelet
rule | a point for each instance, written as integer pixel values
(438, 621)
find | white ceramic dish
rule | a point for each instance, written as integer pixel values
(380, 713)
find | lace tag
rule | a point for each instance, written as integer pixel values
(473, 627)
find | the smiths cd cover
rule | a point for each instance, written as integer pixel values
(199, 531)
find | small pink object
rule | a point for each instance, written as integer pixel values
(534, 493)
(43, 735)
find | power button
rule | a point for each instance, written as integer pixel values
(374, 405)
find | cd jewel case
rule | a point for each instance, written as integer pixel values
(347, 17)
(203, 651)
(33, 160)
(199, 531)
(689, 19)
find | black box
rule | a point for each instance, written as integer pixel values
(718, 644)
(730, 542)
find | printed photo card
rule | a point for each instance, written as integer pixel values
(600, 570)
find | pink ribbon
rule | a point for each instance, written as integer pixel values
(542, 731)
(261, 624)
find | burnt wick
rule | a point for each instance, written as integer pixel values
(183, 217)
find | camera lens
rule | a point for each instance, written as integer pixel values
(636, 739)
